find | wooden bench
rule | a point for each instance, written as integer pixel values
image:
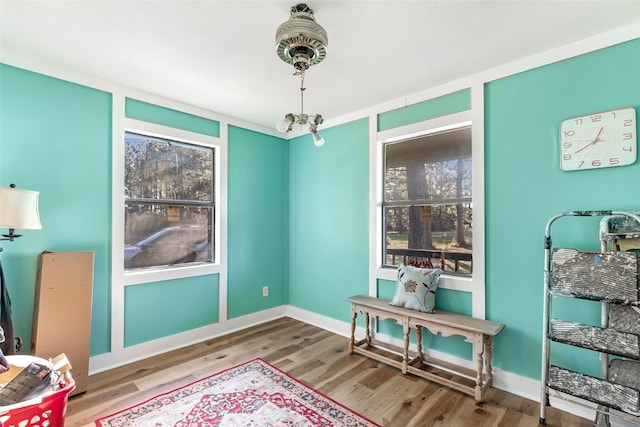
(478, 332)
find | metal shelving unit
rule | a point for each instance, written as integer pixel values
(610, 277)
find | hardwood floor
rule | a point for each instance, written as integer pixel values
(320, 359)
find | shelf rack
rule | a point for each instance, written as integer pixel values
(610, 277)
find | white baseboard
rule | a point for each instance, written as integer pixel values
(328, 323)
(503, 380)
(142, 351)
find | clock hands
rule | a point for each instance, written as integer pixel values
(599, 140)
(592, 142)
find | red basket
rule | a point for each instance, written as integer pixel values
(47, 413)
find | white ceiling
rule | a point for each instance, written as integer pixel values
(220, 55)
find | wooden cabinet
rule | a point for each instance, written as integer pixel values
(62, 310)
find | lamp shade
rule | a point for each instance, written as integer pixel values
(19, 209)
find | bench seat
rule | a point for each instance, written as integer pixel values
(478, 332)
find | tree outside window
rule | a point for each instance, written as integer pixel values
(169, 202)
(427, 204)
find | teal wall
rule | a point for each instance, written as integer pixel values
(525, 187)
(257, 221)
(328, 219)
(55, 137)
(159, 309)
(146, 112)
(299, 214)
(436, 107)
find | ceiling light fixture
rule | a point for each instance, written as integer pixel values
(302, 42)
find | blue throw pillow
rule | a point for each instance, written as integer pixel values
(416, 288)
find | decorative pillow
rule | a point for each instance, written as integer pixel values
(416, 288)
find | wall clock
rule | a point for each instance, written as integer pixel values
(599, 140)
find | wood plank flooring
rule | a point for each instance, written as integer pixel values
(320, 359)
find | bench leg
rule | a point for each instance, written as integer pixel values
(419, 342)
(405, 355)
(487, 358)
(478, 347)
(354, 314)
(367, 328)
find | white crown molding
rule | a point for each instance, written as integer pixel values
(581, 47)
(36, 65)
(591, 44)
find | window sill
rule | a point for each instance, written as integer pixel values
(155, 275)
(446, 281)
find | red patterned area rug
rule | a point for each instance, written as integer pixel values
(254, 394)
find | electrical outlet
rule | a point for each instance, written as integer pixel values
(265, 291)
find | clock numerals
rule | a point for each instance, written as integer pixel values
(599, 140)
(612, 161)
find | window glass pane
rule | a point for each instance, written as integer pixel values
(434, 167)
(449, 179)
(163, 235)
(169, 202)
(427, 202)
(157, 168)
(429, 235)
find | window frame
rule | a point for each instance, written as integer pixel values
(140, 276)
(470, 283)
(208, 205)
(430, 201)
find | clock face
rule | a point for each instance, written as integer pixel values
(599, 140)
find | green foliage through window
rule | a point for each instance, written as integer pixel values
(169, 201)
(427, 207)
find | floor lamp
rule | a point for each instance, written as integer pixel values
(18, 210)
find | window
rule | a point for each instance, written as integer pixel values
(169, 202)
(427, 208)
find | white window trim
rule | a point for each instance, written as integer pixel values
(144, 276)
(473, 117)
(155, 275)
(120, 278)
